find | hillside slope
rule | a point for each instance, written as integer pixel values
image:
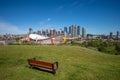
(75, 63)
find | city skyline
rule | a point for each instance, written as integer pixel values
(73, 31)
(97, 16)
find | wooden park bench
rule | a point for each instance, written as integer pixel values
(45, 66)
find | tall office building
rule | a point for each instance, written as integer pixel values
(117, 35)
(111, 34)
(65, 29)
(52, 32)
(39, 32)
(30, 30)
(47, 33)
(74, 31)
(70, 30)
(83, 32)
(43, 32)
(78, 30)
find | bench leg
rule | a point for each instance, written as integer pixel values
(31, 66)
(53, 71)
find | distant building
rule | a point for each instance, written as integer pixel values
(47, 33)
(65, 29)
(74, 31)
(90, 36)
(111, 35)
(2, 42)
(83, 32)
(117, 35)
(43, 32)
(52, 32)
(39, 32)
(70, 30)
(78, 30)
(30, 30)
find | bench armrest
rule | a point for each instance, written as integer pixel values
(55, 64)
(54, 67)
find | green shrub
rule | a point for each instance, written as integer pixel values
(117, 48)
(104, 46)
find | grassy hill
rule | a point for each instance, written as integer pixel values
(75, 63)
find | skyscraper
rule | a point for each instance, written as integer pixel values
(52, 32)
(65, 29)
(70, 30)
(117, 35)
(78, 30)
(111, 34)
(74, 30)
(30, 30)
(83, 32)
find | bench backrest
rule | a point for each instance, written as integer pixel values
(40, 63)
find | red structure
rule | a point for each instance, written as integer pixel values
(53, 41)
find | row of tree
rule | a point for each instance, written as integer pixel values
(104, 46)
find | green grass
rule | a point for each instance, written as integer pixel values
(75, 63)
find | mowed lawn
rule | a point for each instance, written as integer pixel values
(75, 63)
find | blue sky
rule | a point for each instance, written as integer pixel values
(97, 16)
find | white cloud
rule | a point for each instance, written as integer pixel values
(49, 19)
(6, 26)
(9, 28)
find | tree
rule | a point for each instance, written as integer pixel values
(117, 48)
